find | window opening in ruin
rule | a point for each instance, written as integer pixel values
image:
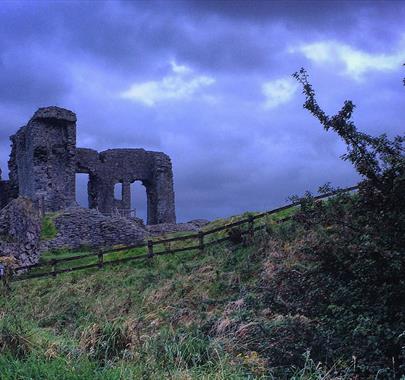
(139, 200)
(82, 197)
(118, 191)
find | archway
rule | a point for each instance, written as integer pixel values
(82, 197)
(139, 200)
(118, 191)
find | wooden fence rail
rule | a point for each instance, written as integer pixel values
(199, 243)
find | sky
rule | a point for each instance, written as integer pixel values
(209, 83)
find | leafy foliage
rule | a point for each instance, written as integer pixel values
(357, 245)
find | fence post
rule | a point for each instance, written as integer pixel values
(150, 249)
(251, 227)
(201, 241)
(54, 262)
(100, 256)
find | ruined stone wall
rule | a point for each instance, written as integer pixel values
(105, 169)
(161, 203)
(79, 227)
(20, 231)
(42, 162)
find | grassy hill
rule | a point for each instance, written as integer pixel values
(182, 316)
(267, 308)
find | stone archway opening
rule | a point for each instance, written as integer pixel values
(118, 191)
(82, 183)
(139, 200)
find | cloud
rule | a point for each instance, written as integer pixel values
(278, 92)
(182, 84)
(230, 156)
(356, 62)
(179, 69)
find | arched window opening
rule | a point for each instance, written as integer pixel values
(139, 200)
(82, 196)
(118, 191)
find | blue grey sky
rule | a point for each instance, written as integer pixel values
(209, 83)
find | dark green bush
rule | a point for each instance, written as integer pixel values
(356, 246)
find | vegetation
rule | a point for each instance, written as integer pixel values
(321, 296)
(49, 229)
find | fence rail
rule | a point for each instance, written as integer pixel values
(150, 245)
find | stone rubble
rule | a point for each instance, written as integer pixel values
(79, 228)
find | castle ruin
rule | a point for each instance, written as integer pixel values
(44, 161)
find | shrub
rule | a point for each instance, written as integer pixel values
(356, 285)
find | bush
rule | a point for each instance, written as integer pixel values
(355, 286)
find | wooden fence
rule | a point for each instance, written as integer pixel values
(199, 241)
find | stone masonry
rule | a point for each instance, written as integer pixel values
(78, 228)
(125, 166)
(20, 231)
(44, 160)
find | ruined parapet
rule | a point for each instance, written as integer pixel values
(42, 162)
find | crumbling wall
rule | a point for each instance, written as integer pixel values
(106, 169)
(20, 231)
(79, 227)
(42, 162)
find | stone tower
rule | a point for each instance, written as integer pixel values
(42, 162)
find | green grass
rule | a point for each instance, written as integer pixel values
(170, 317)
(48, 230)
(85, 321)
(147, 319)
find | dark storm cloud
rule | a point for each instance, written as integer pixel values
(31, 79)
(300, 12)
(306, 15)
(230, 152)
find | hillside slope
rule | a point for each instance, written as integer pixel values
(183, 316)
(264, 309)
